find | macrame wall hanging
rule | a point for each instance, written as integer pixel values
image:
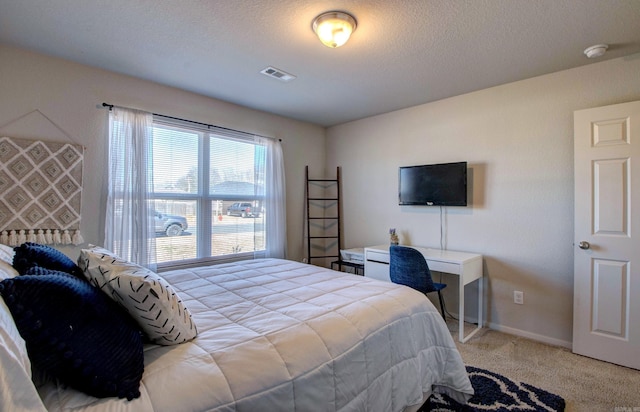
(40, 192)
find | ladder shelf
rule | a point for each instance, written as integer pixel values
(323, 219)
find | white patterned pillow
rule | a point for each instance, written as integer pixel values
(148, 298)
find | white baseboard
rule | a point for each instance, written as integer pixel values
(519, 332)
(529, 335)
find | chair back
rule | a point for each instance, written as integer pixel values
(408, 267)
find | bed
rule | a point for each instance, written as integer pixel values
(278, 335)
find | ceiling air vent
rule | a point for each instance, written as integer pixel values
(277, 74)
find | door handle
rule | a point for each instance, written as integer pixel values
(584, 245)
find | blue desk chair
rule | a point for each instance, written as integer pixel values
(408, 267)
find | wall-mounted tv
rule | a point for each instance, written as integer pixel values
(443, 184)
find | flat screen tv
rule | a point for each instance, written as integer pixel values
(443, 184)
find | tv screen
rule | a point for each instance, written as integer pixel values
(443, 184)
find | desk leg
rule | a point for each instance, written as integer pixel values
(461, 336)
(461, 311)
(480, 302)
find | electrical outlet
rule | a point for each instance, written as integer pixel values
(518, 297)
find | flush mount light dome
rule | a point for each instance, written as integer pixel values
(334, 28)
(596, 51)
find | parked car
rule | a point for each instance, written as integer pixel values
(244, 209)
(171, 225)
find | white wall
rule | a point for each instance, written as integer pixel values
(518, 140)
(34, 87)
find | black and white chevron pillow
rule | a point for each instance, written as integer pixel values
(148, 298)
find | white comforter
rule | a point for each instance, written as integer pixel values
(277, 335)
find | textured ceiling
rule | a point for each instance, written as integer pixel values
(403, 53)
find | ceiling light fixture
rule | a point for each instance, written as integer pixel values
(334, 28)
(596, 51)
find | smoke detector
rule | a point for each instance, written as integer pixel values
(596, 51)
(278, 74)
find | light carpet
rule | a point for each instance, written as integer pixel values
(586, 384)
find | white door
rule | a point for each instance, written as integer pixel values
(606, 305)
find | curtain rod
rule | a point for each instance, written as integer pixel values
(111, 106)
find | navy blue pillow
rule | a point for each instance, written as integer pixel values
(39, 271)
(75, 333)
(33, 254)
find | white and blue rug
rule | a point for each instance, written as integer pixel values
(494, 392)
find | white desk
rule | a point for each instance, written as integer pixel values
(468, 266)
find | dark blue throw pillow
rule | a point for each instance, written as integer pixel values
(31, 254)
(39, 271)
(75, 333)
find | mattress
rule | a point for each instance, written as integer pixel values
(278, 335)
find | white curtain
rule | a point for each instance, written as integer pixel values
(129, 227)
(275, 201)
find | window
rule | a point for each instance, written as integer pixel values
(208, 196)
(184, 193)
